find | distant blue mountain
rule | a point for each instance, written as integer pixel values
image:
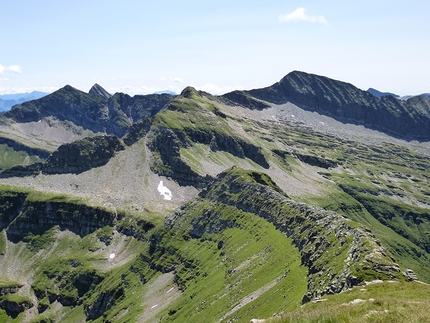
(7, 101)
(379, 94)
(166, 92)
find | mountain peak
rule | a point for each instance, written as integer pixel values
(98, 90)
(189, 92)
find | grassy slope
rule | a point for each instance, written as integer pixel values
(382, 303)
(9, 157)
(373, 172)
(227, 267)
(381, 186)
(220, 277)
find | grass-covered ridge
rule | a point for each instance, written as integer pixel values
(338, 252)
(195, 118)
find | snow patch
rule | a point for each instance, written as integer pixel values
(167, 194)
(111, 256)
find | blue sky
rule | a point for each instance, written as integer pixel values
(139, 47)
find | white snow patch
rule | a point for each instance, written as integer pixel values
(111, 256)
(154, 306)
(170, 290)
(293, 116)
(167, 194)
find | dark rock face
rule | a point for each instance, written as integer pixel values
(320, 235)
(126, 110)
(98, 90)
(103, 303)
(82, 155)
(13, 309)
(242, 98)
(76, 157)
(345, 102)
(10, 207)
(67, 103)
(167, 160)
(97, 110)
(137, 130)
(19, 216)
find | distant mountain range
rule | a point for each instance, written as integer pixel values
(7, 101)
(379, 94)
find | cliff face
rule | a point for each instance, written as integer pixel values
(193, 118)
(20, 215)
(337, 253)
(345, 102)
(97, 111)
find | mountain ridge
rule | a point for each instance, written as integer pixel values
(345, 102)
(195, 207)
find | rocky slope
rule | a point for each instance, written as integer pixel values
(97, 111)
(193, 206)
(343, 101)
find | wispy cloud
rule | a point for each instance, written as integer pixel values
(26, 89)
(300, 15)
(11, 68)
(176, 79)
(133, 90)
(215, 89)
(172, 79)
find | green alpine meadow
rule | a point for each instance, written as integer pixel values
(304, 201)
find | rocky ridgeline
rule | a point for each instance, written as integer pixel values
(338, 253)
(26, 215)
(345, 102)
(193, 118)
(76, 157)
(20, 215)
(97, 111)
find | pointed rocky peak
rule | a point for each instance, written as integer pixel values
(98, 90)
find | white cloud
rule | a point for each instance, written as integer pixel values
(134, 90)
(25, 89)
(215, 89)
(11, 68)
(14, 68)
(176, 79)
(300, 15)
